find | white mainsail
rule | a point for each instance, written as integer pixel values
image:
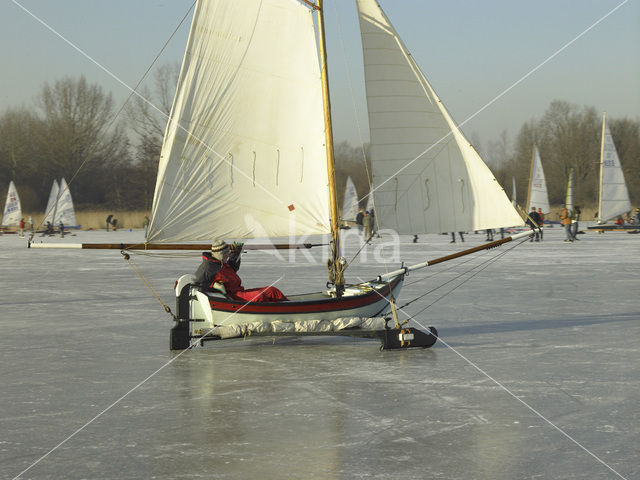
(52, 203)
(537, 196)
(427, 176)
(244, 151)
(568, 202)
(614, 196)
(350, 206)
(12, 210)
(65, 212)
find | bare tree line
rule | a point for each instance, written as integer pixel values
(567, 137)
(70, 132)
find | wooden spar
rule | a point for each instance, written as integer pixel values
(428, 263)
(168, 246)
(336, 275)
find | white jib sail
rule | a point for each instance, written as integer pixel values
(427, 177)
(51, 203)
(243, 153)
(350, 205)
(64, 210)
(538, 196)
(614, 196)
(568, 203)
(12, 210)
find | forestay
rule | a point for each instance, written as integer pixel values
(614, 196)
(243, 154)
(427, 176)
(538, 196)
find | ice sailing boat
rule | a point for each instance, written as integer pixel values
(60, 209)
(12, 213)
(350, 206)
(65, 213)
(52, 202)
(537, 195)
(613, 196)
(248, 153)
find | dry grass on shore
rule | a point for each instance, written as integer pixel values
(97, 219)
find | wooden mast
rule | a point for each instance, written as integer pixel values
(335, 268)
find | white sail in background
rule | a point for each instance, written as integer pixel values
(51, 203)
(370, 204)
(538, 196)
(12, 210)
(513, 192)
(427, 176)
(614, 196)
(243, 154)
(568, 202)
(350, 205)
(65, 212)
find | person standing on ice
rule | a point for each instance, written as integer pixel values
(366, 224)
(218, 271)
(533, 220)
(541, 215)
(574, 222)
(565, 219)
(453, 237)
(359, 218)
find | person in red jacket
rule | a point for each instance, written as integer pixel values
(218, 271)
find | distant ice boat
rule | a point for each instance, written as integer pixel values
(12, 209)
(537, 195)
(613, 197)
(60, 207)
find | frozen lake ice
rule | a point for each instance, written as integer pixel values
(536, 373)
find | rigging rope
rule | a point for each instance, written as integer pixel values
(469, 259)
(166, 307)
(479, 268)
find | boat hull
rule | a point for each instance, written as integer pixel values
(203, 312)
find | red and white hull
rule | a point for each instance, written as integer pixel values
(206, 310)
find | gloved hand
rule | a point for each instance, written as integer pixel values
(236, 247)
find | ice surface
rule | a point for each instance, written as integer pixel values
(552, 325)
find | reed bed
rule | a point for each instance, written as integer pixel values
(97, 219)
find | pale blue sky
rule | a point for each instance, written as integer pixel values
(471, 51)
